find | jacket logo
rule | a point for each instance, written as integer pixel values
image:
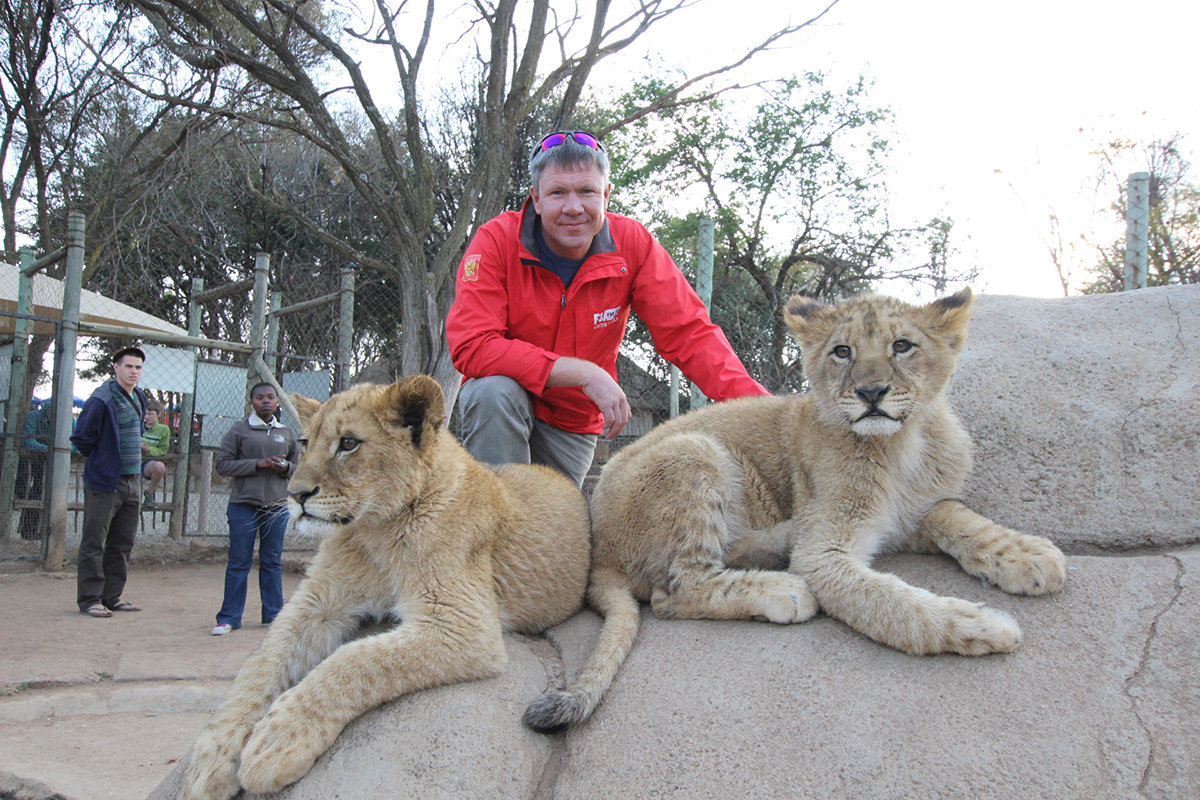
(471, 268)
(605, 318)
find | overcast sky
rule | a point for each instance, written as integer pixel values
(998, 107)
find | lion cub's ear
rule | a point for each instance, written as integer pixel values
(947, 317)
(420, 403)
(305, 407)
(803, 316)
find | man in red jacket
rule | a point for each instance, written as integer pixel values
(543, 298)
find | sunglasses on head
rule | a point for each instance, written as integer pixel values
(581, 137)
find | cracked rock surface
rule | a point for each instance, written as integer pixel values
(1084, 413)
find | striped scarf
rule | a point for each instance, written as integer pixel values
(129, 430)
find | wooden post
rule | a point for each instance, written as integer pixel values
(16, 394)
(187, 416)
(64, 394)
(345, 337)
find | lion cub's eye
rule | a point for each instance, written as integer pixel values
(902, 346)
(842, 351)
(348, 444)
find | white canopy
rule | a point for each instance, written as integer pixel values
(93, 307)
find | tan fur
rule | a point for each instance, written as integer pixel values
(686, 516)
(414, 531)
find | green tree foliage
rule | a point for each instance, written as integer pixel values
(1173, 251)
(796, 189)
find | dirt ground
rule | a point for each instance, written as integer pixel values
(102, 709)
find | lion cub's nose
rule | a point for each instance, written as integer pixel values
(872, 394)
(301, 496)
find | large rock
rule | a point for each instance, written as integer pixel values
(1084, 413)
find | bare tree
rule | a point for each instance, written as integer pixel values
(57, 96)
(306, 76)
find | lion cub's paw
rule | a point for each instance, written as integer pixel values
(787, 602)
(970, 629)
(280, 751)
(1029, 565)
(212, 771)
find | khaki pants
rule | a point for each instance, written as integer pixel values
(499, 428)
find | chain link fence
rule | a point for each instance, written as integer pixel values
(58, 338)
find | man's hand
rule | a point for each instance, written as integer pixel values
(600, 388)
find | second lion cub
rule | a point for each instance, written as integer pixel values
(871, 459)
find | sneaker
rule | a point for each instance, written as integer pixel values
(222, 629)
(147, 499)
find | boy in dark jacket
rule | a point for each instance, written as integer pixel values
(109, 435)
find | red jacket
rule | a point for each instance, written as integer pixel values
(512, 317)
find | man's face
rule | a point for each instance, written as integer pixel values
(128, 371)
(571, 202)
(265, 402)
(151, 418)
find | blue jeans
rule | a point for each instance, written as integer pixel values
(246, 524)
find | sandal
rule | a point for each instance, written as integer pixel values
(98, 611)
(124, 605)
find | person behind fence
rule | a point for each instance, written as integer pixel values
(542, 300)
(260, 454)
(155, 442)
(109, 435)
(31, 469)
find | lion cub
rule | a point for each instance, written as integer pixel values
(415, 530)
(871, 459)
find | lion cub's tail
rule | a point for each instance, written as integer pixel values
(610, 594)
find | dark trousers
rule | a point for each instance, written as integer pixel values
(109, 525)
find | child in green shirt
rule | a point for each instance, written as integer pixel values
(155, 442)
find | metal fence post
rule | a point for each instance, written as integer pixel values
(64, 393)
(1137, 229)
(345, 337)
(187, 405)
(16, 393)
(273, 332)
(704, 278)
(258, 318)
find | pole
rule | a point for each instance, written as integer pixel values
(64, 393)
(273, 331)
(16, 394)
(187, 414)
(1137, 230)
(258, 314)
(345, 340)
(704, 277)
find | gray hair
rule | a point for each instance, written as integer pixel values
(570, 154)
